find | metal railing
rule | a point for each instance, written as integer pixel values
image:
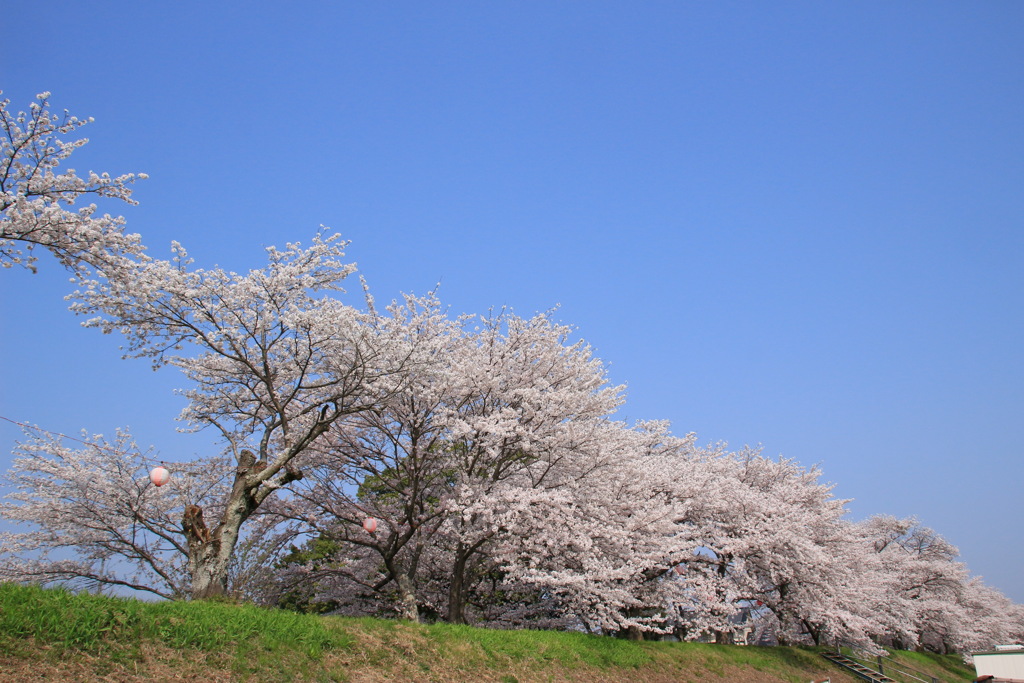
(856, 668)
(890, 667)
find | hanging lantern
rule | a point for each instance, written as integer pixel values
(159, 475)
(370, 524)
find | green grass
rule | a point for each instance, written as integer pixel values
(943, 667)
(567, 649)
(242, 642)
(92, 622)
(244, 638)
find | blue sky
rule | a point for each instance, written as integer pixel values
(795, 224)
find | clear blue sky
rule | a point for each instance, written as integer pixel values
(795, 224)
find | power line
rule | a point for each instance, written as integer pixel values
(178, 466)
(91, 444)
(47, 431)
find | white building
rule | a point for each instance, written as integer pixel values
(1005, 664)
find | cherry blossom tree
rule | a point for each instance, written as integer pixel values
(483, 448)
(604, 546)
(531, 414)
(989, 619)
(505, 413)
(35, 195)
(674, 538)
(273, 360)
(787, 546)
(389, 464)
(97, 503)
(273, 363)
(932, 602)
(95, 520)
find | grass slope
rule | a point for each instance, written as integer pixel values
(51, 635)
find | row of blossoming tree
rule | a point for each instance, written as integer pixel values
(501, 488)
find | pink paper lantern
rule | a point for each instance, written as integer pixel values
(159, 475)
(370, 524)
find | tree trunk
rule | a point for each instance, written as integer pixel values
(457, 589)
(407, 595)
(209, 573)
(780, 608)
(210, 552)
(814, 632)
(634, 633)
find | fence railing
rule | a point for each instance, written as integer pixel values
(889, 667)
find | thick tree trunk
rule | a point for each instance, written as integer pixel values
(408, 604)
(634, 633)
(457, 589)
(814, 632)
(209, 574)
(210, 552)
(459, 585)
(782, 614)
(407, 595)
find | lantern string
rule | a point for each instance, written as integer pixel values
(63, 436)
(91, 444)
(177, 466)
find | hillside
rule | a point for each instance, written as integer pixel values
(53, 635)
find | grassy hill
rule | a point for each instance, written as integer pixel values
(54, 635)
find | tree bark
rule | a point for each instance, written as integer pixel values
(457, 590)
(210, 552)
(407, 595)
(814, 632)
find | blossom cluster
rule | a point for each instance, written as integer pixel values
(35, 198)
